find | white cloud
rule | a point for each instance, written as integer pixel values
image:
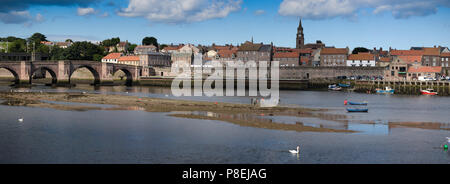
(260, 12)
(323, 9)
(85, 11)
(172, 11)
(20, 17)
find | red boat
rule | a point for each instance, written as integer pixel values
(428, 92)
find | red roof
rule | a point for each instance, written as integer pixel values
(431, 51)
(385, 59)
(129, 58)
(407, 52)
(425, 69)
(411, 59)
(286, 55)
(333, 51)
(226, 53)
(361, 56)
(445, 54)
(114, 55)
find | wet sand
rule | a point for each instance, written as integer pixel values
(229, 112)
(240, 114)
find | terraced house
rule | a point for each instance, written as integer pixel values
(254, 52)
(333, 56)
(361, 59)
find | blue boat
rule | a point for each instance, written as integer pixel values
(387, 90)
(357, 103)
(357, 110)
(344, 85)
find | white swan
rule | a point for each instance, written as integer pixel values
(295, 151)
(20, 119)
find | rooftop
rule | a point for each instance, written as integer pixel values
(361, 56)
(425, 69)
(325, 51)
(114, 55)
(129, 58)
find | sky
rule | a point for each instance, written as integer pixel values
(398, 24)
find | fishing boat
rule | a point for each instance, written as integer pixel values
(428, 92)
(357, 110)
(386, 90)
(358, 103)
(344, 85)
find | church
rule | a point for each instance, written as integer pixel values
(300, 40)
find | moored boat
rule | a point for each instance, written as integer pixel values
(386, 90)
(428, 92)
(344, 85)
(358, 103)
(334, 87)
(357, 110)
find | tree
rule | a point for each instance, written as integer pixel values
(131, 47)
(83, 51)
(37, 38)
(163, 46)
(57, 53)
(150, 41)
(110, 42)
(69, 40)
(18, 45)
(359, 49)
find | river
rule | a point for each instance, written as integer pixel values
(397, 129)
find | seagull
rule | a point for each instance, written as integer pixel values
(84, 92)
(295, 151)
(20, 119)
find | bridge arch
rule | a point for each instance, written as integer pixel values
(91, 69)
(128, 75)
(52, 73)
(13, 72)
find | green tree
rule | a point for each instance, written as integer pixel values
(57, 53)
(131, 47)
(83, 51)
(150, 41)
(37, 38)
(163, 46)
(359, 49)
(110, 42)
(17, 46)
(69, 40)
(97, 57)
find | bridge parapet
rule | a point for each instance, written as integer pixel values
(61, 71)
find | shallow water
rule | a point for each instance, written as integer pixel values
(101, 136)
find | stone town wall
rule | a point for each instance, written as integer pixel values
(329, 72)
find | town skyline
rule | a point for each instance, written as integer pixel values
(243, 20)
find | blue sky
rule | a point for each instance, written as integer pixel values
(369, 23)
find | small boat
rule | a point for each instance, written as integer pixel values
(386, 90)
(344, 85)
(358, 103)
(334, 87)
(357, 110)
(428, 92)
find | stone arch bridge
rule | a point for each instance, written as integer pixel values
(61, 71)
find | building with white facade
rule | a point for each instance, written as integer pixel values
(361, 59)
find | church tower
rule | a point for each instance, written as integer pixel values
(300, 37)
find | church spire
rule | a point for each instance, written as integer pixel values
(300, 41)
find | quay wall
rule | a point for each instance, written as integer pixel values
(404, 87)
